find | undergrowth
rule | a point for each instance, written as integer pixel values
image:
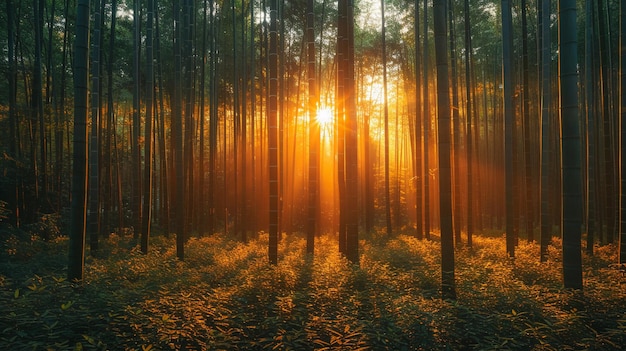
(225, 296)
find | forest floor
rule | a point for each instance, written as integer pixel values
(225, 296)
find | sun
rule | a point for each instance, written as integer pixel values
(324, 117)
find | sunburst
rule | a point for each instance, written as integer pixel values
(324, 117)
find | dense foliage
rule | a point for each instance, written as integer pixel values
(226, 296)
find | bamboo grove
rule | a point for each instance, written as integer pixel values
(444, 119)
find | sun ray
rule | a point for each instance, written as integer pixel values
(324, 117)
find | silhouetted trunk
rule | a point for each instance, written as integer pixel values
(76, 255)
(148, 138)
(386, 121)
(272, 122)
(448, 290)
(622, 100)
(468, 116)
(93, 218)
(37, 103)
(177, 138)
(12, 80)
(236, 108)
(107, 155)
(314, 130)
(456, 128)
(243, 222)
(59, 135)
(342, 38)
(135, 146)
(189, 122)
(252, 222)
(607, 115)
(591, 144)
(419, 169)
(507, 51)
(202, 210)
(165, 215)
(426, 120)
(212, 118)
(570, 146)
(546, 99)
(352, 215)
(528, 125)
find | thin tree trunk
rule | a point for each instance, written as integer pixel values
(314, 131)
(93, 224)
(570, 146)
(244, 129)
(110, 130)
(177, 136)
(51, 94)
(546, 97)
(530, 201)
(148, 135)
(456, 128)
(281, 116)
(12, 80)
(469, 128)
(189, 122)
(507, 51)
(419, 178)
(203, 223)
(61, 107)
(76, 255)
(386, 121)
(236, 108)
(273, 133)
(591, 144)
(253, 77)
(622, 120)
(37, 102)
(352, 215)
(426, 120)
(213, 122)
(607, 115)
(164, 164)
(448, 290)
(340, 120)
(136, 151)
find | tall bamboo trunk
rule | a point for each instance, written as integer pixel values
(456, 128)
(426, 119)
(448, 289)
(546, 97)
(177, 138)
(272, 122)
(622, 120)
(136, 151)
(386, 121)
(507, 51)
(93, 218)
(148, 134)
(419, 178)
(314, 131)
(352, 215)
(76, 255)
(469, 128)
(570, 146)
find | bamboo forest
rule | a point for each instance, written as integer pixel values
(312, 175)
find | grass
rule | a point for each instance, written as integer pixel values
(225, 296)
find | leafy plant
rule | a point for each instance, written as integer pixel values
(227, 296)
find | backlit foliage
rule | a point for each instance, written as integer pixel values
(226, 296)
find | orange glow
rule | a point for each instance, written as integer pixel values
(324, 117)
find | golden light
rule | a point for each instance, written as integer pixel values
(324, 117)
